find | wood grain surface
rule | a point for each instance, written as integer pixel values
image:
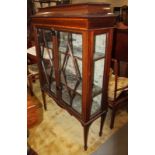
(34, 111)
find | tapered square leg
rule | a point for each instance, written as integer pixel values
(86, 131)
(44, 100)
(112, 118)
(102, 123)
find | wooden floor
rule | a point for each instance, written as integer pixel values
(61, 134)
(117, 144)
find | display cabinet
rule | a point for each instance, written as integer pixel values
(73, 44)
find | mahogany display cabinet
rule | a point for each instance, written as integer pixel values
(73, 44)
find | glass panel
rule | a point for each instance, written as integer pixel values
(99, 55)
(45, 44)
(70, 53)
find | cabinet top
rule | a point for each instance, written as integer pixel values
(77, 16)
(85, 10)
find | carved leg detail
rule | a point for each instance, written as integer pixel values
(102, 123)
(44, 100)
(86, 130)
(113, 118)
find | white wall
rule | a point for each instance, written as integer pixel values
(112, 2)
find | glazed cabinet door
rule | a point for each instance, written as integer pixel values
(60, 54)
(70, 69)
(45, 54)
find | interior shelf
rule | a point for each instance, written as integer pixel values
(98, 56)
(67, 98)
(53, 87)
(77, 52)
(77, 102)
(77, 105)
(72, 81)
